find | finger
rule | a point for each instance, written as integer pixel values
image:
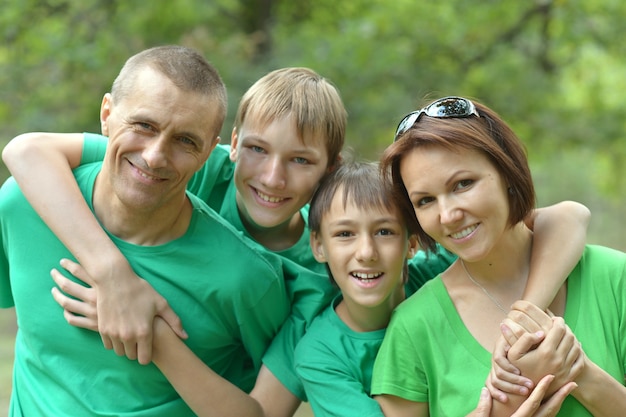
(74, 306)
(494, 391)
(118, 347)
(130, 349)
(533, 402)
(500, 389)
(578, 365)
(551, 407)
(523, 320)
(508, 335)
(483, 409)
(76, 270)
(532, 312)
(513, 330)
(554, 337)
(524, 345)
(144, 350)
(106, 341)
(172, 319)
(80, 321)
(568, 342)
(72, 288)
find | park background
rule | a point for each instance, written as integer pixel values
(554, 69)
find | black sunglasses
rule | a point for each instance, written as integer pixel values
(442, 108)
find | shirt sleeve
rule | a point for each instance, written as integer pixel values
(424, 266)
(330, 388)
(94, 148)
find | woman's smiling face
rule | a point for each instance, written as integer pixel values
(459, 198)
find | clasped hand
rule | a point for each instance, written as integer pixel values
(122, 309)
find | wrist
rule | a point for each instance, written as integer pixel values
(108, 267)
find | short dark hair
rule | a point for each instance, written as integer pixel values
(488, 134)
(360, 183)
(185, 67)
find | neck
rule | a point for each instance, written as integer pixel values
(362, 318)
(144, 227)
(508, 260)
(279, 237)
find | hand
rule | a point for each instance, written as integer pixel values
(525, 317)
(504, 378)
(124, 310)
(532, 406)
(559, 354)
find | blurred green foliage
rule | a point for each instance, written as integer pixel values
(553, 68)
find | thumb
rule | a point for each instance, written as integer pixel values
(172, 319)
(483, 409)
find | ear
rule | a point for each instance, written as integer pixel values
(317, 247)
(335, 165)
(105, 111)
(234, 142)
(215, 142)
(413, 246)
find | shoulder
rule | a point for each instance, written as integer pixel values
(601, 259)
(210, 230)
(318, 334)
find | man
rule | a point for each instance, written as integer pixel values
(163, 117)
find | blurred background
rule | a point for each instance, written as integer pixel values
(555, 70)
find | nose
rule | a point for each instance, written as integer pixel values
(366, 251)
(449, 211)
(155, 153)
(274, 174)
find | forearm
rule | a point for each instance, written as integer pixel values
(41, 164)
(599, 392)
(560, 233)
(206, 393)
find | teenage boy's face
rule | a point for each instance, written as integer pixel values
(276, 173)
(366, 250)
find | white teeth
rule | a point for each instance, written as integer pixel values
(268, 198)
(464, 232)
(366, 277)
(149, 177)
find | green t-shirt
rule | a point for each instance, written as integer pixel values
(335, 362)
(429, 355)
(230, 296)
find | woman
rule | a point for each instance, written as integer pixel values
(464, 174)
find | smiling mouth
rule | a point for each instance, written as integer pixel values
(145, 175)
(268, 198)
(465, 232)
(366, 278)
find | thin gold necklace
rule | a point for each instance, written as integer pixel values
(491, 297)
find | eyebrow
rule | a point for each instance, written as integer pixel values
(452, 178)
(147, 119)
(299, 151)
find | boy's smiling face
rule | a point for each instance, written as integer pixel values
(276, 172)
(366, 249)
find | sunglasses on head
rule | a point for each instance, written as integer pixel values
(442, 108)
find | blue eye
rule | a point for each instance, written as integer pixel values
(423, 201)
(464, 184)
(257, 149)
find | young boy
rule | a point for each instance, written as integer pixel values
(358, 231)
